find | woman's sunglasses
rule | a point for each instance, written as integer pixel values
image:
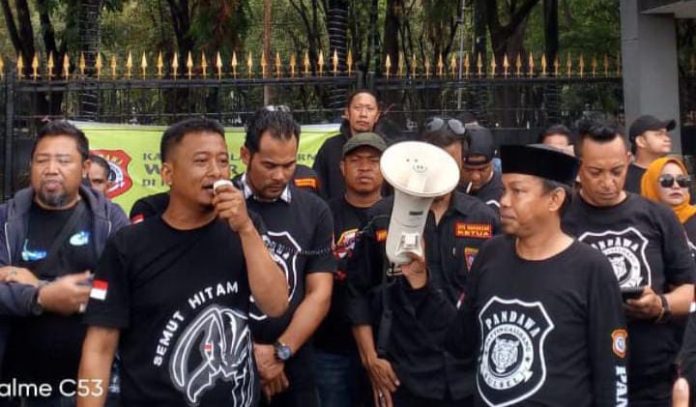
(666, 181)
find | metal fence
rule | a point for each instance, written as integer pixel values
(516, 99)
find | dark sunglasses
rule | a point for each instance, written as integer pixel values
(666, 181)
(435, 124)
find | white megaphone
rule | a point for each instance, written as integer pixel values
(419, 172)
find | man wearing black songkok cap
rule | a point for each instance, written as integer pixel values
(543, 311)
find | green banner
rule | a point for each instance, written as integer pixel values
(133, 153)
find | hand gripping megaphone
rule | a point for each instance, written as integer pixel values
(419, 172)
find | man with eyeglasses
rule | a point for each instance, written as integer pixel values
(479, 179)
(404, 362)
(360, 115)
(650, 140)
(648, 251)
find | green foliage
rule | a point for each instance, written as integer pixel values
(592, 27)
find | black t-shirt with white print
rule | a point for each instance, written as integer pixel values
(550, 332)
(299, 236)
(181, 300)
(646, 245)
(47, 348)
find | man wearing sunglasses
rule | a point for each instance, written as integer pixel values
(478, 176)
(647, 248)
(404, 362)
(650, 140)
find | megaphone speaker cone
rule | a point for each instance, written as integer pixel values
(419, 169)
(419, 172)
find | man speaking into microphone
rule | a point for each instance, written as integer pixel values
(172, 294)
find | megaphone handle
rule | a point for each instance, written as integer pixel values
(410, 243)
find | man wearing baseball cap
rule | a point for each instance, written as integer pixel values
(650, 140)
(335, 349)
(478, 176)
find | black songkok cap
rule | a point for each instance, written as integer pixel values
(539, 160)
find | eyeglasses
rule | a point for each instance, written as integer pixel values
(666, 181)
(434, 124)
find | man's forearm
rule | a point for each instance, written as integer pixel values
(308, 316)
(95, 365)
(266, 281)
(680, 299)
(16, 299)
(366, 343)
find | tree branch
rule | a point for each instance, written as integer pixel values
(49, 37)
(520, 15)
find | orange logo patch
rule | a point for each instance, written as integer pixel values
(381, 235)
(474, 230)
(618, 342)
(306, 183)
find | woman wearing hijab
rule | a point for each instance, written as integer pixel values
(666, 180)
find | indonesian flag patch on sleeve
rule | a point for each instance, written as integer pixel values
(99, 289)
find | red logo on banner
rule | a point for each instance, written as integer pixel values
(118, 161)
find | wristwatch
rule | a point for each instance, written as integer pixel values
(666, 312)
(282, 351)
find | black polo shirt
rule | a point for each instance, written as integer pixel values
(326, 165)
(646, 245)
(490, 193)
(451, 246)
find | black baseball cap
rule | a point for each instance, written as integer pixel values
(481, 147)
(368, 139)
(649, 123)
(541, 161)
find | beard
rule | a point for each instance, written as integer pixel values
(54, 199)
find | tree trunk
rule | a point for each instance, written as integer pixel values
(337, 27)
(480, 31)
(551, 28)
(392, 25)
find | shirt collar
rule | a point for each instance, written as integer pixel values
(286, 196)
